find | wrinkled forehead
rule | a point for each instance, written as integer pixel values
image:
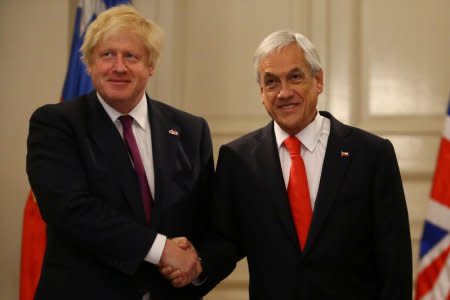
(283, 60)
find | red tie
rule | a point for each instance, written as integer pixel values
(298, 191)
(133, 149)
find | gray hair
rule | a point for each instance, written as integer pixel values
(280, 39)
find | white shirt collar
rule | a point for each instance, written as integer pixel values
(309, 136)
(139, 112)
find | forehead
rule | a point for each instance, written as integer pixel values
(284, 60)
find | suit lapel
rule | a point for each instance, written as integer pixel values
(165, 144)
(269, 168)
(111, 154)
(333, 171)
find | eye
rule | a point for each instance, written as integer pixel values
(270, 82)
(296, 76)
(131, 57)
(107, 54)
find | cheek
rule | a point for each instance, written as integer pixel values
(302, 91)
(267, 105)
(313, 93)
(267, 101)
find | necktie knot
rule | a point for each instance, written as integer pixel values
(126, 121)
(292, 144)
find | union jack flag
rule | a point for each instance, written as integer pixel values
(433, 280)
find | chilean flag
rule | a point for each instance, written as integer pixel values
(77, 82)
(433, 280)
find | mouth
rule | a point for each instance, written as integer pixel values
(118, 80)
(289, 106)
(119, 83)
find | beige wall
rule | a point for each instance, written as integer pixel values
(34, 39)
(386, 69)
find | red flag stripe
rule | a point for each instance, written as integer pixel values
(441, 183)
(428, 276)
(33, 247)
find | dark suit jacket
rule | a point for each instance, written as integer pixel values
(88, 194)
(359, 244)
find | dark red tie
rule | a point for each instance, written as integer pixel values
(133, 149)
(298, 191)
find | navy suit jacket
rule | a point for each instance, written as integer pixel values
(86, 188)
(359, 243)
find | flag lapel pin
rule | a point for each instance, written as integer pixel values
(345, 154)
(173, 132)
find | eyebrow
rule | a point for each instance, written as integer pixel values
(269, 75)
(293, 70)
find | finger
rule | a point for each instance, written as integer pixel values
(179, 282)
(177, 274)
(166, 270)
(184, 244)
(179, 239)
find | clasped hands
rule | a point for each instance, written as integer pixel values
(180, 263)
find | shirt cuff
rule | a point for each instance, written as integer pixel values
(201, 278)
(155, 253)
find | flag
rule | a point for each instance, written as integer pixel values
(77, 82)
(433, 280)
(33, 247)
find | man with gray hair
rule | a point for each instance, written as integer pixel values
(317, 207)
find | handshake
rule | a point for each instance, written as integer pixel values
(180, 263)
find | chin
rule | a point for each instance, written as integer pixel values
(118, 95)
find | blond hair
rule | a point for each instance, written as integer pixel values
(123, 18)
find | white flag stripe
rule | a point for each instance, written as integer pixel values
(441, 288)
(447, 128)
(439, 215)
(90, 7)
(431, 255)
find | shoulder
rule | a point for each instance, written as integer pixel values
(250, 140)
(175, 114)
(72, 109)
(356, 137)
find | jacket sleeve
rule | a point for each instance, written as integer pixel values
(220, 251)
(392, 237)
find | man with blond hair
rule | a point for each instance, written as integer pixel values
(117, 175)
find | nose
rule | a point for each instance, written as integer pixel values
(285, 90)
(119, 64)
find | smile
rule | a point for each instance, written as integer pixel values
(118, 80)
(289, 106)
(119, 83)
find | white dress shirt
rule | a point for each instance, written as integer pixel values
(314, 139)
(142, 132)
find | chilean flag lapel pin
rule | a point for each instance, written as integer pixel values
(345, 154)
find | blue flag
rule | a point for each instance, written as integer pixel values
(77, 80)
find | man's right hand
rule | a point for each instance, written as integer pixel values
(180, 262)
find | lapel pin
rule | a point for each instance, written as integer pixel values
(344, 154)
(173, 132)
